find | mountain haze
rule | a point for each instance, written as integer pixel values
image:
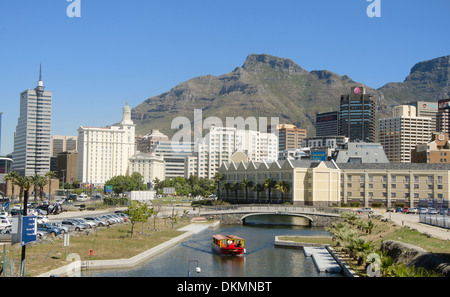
(269, 86)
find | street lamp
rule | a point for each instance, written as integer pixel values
(197, 269)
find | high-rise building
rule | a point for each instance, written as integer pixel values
(104, 152)
(427, 109)
(289, 136)
(443, 116)
(357, 116)
(401, 134)
(222, 144)
(32, 138)
(327, 124)
(146, 143)
(60, 143)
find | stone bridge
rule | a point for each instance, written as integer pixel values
(303, 216)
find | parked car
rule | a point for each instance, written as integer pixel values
(5, 223)
(98, 221)
(423, 210)
(72, 225)
(80, 222)
(42, 219)
(368, 210)
(390, 209)
(89, 223)
(432, 211)
(49, 229)
(399, 209)
(82, 197)
(64, 229)
(413, 210)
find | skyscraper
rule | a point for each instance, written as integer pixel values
(32, 138)
(357, 116)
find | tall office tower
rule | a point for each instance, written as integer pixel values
(402, 133)
(443, 116)
(289, 136)
(105, 152)
(357, 116)
(427, 109)
(32, 138)
(327, 124)
(61, 143)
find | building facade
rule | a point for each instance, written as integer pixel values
(33, 131)
(148, 165)
(104, 152)
(435, 151)
(357, 116)
(289, 136)
(328, 183)
(443, 116)
(310, 182)
(400, 134)
(327, 124)
(174, 155)
(222, 143)
(145, 144)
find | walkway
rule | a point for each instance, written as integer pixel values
(412, 221)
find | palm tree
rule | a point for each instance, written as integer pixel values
(218, 177)
(39, 182)
(236, 187)
(282, 187)
(50, 175)
(12, 176)
(226, 186)
(269, 184)
(246, 184)
(258, 188)
(24, 183)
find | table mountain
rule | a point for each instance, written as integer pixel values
(269, 86)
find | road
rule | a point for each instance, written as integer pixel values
(412, 221)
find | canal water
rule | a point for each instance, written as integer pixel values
(262, 258)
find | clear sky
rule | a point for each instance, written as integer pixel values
(127, 51)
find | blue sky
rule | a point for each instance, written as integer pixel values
(128, 51)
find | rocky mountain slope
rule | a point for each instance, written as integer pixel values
(269, 86)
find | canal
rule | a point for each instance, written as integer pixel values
(262, 258)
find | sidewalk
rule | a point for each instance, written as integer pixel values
(412, 221)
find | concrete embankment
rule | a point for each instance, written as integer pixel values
(326, 259)
(75, 267)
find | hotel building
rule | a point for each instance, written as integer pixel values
(105, 152)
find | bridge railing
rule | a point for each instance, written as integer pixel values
(271, 207)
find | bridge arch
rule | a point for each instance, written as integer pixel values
(283, 218)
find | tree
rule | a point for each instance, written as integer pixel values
(50, 175)
(226, 186)
(24, 183)
(12, 177)
(236, 187)
(269, 184)
(246, 184)
(282, 187)
(258, 188)
(138, 212)
(218, 177)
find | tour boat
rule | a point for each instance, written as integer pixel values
(228, 245)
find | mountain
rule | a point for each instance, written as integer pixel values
(428, 81)
(269, 86)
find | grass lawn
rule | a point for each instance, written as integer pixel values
(108, 243)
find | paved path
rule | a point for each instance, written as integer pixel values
(412, 221)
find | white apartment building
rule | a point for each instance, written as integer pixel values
(32, 138)
(174, 155)
(222, 143)
(400, 134)
(148, 165)
(105, 152)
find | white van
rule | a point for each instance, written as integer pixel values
(5, 223)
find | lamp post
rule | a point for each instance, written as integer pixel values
(197, 269)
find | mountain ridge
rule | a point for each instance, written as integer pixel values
(268, 86)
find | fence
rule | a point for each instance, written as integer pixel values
(434, 212)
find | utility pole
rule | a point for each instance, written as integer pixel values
(24, 247)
